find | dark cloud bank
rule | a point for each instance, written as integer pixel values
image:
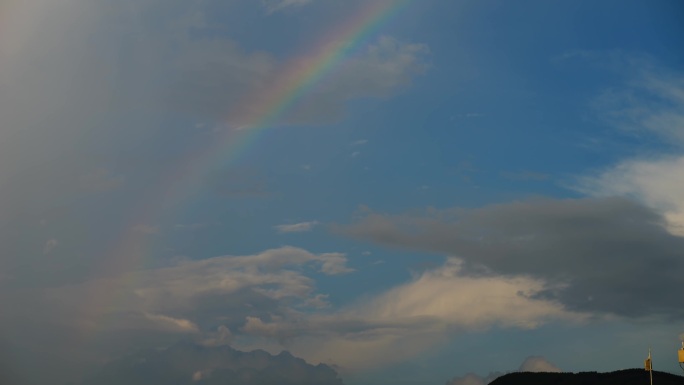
(607, 255)
(188, 363)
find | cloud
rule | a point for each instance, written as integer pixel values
(207, 301)
(659, 183)
(360, 142)
(320, 301)
(186, 363)
(531, 364)
(93, 92)
(296, 227)
(538, 364)
(216, 77)
(172, 324)
(652, 104)
(334, 264)
(272, 297)
(194, 291)
(383, 69)
(570, 243)
(277, 5)
(404, 321)
(223, 336)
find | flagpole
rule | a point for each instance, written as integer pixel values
(650, 371)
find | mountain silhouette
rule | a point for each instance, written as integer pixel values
(620, 377)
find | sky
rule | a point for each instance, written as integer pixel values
(409, 192)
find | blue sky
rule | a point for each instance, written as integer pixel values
(474, 184)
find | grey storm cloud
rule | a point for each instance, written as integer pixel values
(607, 255)
(187, 363)
(92, 91)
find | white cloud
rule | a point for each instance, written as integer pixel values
(360, 142)
(172, 324)
(334, 264)
(658, 183)
(404, 321)
(443, 294)
(267, 273)
(538, 364)
(296, 227)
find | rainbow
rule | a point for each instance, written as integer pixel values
(263, 110)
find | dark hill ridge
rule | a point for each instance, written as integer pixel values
(620, 377)
(190, 364)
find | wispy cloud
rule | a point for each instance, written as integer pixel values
(635, 111)
(277, 5)
(650, 105)
(301, 227)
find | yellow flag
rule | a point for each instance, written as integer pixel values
(647, 364)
